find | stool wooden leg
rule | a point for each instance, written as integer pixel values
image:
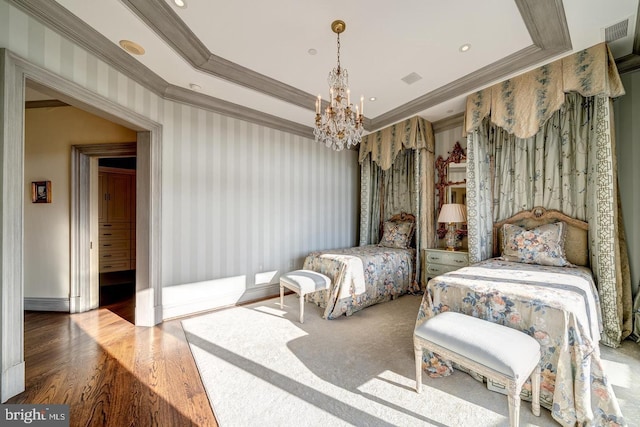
(281, 297)
(418, 356)
(301, 296)
(535, 391)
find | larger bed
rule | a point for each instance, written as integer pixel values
(365, 275)
(557, 305)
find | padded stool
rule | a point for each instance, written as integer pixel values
(302, 282)
(503, 354)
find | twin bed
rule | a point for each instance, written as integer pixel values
(367, 275)
(533, 284)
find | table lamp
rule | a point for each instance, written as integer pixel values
(452, 213)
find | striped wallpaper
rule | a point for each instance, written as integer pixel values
(238, 199)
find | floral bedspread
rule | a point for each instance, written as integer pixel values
(360, 277)
(559, 307)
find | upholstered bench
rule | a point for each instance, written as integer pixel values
(302, 282)
(498, 352)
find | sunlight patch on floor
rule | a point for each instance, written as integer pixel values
(619, 374)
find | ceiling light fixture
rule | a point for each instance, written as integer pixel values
(373, 98)
(131, 47)
(339, 126)
(465, 47)
(180, 3)
(195, 86)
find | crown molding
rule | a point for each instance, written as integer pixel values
(544, 19)
(59, 19)
(186, 96)
(451, 122)
(547, 23)
(166, 23)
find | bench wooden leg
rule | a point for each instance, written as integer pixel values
(418, 357)
(281, 297)
(514, 403)
(535, 391)
(301, 308)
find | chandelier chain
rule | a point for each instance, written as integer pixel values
(338, 51)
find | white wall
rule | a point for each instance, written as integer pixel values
(627, 114)
(238, 199)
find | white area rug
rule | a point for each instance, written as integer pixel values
(260, 366)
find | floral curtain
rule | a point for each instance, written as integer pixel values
(521, 105)
(560, 156)
(395, 177)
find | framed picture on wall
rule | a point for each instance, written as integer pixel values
(41, 192)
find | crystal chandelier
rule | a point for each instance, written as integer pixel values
(339, 126)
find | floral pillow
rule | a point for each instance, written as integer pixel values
(396, 234)
(542, 245)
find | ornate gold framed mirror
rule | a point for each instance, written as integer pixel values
(451, 183)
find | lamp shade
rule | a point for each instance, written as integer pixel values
(453, 212)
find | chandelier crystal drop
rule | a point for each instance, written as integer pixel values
(339, 125)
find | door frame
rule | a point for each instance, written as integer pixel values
(14, 71)
(84, 289)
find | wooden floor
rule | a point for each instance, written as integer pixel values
(112, 373)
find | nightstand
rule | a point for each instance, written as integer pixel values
(440, 261)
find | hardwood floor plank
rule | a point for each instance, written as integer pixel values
(111, 372)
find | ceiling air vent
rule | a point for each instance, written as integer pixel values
(411, 78)
(616, 31)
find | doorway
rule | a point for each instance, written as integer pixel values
(116, 216)
(148, 219)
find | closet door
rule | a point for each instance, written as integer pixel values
(119, 205)
(103, 202)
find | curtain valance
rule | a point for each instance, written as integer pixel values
(521, 105)
(385, 144)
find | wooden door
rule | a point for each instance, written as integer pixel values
(119, 203)
(103, 195)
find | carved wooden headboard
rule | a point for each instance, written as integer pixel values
(576, 244)
(403, 216)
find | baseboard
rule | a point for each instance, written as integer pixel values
(12, 381)
(261, 292)
(188, 299)
(47, 304)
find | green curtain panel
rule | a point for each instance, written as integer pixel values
(560, 155)
(396, 176)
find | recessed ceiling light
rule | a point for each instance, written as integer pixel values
(180, 3)
(132, 47)
(465, 47)
(449, 111)
(373, 98)
(312, 51)
(194, 86)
